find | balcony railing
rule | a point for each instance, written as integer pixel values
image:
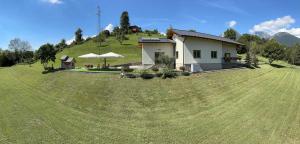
(229, 59)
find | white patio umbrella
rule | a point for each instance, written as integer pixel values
(91, 55)
(110, 55)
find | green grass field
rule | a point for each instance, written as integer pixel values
(130, 49)
(236, 106)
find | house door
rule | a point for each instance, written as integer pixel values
(157, 56)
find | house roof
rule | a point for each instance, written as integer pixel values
(69, 60)
(64, 57)
(203, 35)
(155, 40)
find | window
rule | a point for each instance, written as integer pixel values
(176, 55)
(214, 54)
(197, 53)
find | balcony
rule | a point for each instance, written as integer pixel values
(231, 59)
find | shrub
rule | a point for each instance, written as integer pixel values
(168, 73)
(155, 69)
(130, 76)
(146, 75)
(159, 74)
(185, 73)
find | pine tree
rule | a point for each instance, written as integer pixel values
(248, 59)
(124, 22)
(78, 36)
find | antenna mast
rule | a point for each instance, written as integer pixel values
(99, 25)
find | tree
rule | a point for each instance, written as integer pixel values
(253, 52)
(106, 33)
(231, 34)
(247, 39)
(148, 32)
(273, 51)
(170, 33)
(46, 53)
(293, 54)
(78, 36)
(19, 47)
(100, 38)
(115, 31)
(124, 22)
(61, 46)
(120, 36)
(248, 59)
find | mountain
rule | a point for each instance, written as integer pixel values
(263, 35)
(286, 39)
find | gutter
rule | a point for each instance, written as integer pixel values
(184, 38)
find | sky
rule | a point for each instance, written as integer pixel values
(49, 21)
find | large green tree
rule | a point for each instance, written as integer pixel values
(247, 39)
(231, 34)
(124, 22)
(20, 48)
(78, 36)
(46, 53)
(273, 51)
(293, 54)
(61, 45)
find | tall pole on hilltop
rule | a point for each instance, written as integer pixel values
(99, 30)
(99, 23)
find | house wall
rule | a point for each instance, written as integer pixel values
(229, 48)
(179, 49)
(68, 65)
(149, 49)
(205, 46)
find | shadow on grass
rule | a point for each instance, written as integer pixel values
(51, 71)
(277, 66)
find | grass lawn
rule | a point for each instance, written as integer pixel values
(239, 106)
(130, 49)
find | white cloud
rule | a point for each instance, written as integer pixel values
(53, 1)
(163, 33)
(272, 27)
(232, 23)
(70, 41)
(109, 27)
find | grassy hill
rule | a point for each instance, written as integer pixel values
(130, 49)
(238, 106)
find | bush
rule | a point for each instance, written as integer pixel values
(168, 73)
(130, 76)
(146, 75)
(185, 73)
(159, 74)
(155, 69)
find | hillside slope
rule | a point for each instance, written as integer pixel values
(286, 39)
(130, 49)
(228, 107)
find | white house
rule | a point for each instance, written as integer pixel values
(193, 50)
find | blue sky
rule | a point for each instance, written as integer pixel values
(42, 21)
